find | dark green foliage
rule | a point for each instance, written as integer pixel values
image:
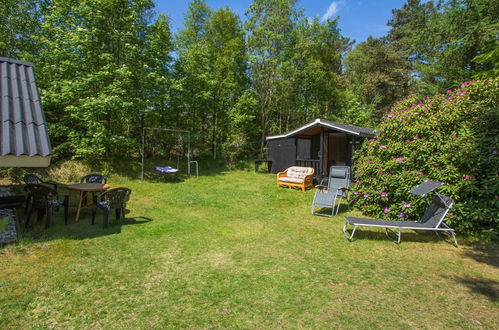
(377, 74)
(441, 40)
(19, 21)
(106, 69)
(295, 67)
(101, 66)
(452, 138)
(210, 76)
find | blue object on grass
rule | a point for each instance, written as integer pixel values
(166, 169)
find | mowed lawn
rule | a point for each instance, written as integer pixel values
(230, 250)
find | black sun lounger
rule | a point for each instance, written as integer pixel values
(432, 219)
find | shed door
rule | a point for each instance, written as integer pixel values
(338, 149)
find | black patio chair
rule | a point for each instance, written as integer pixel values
(44, 200)
(94, 178)
(31, 179)
(112, 199)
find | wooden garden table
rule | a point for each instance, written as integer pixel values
(84, 189)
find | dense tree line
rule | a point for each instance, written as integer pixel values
(107, 68)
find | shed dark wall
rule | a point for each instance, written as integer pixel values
(282, 153)
(315, 146)
(303, 148)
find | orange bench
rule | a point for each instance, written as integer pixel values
(296, 176)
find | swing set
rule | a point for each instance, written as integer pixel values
(182, 135)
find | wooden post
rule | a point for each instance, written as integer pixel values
(321, 153)
(352, 150)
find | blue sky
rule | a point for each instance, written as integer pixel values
(359, 19)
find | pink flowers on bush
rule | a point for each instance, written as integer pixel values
(449, 142)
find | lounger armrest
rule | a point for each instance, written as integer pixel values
(343, 188)
(321, 187)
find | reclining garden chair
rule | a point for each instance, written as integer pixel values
(432, 219)
(330, 196)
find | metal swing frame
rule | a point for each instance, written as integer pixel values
(189, 161)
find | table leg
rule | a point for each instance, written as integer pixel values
(82, 194)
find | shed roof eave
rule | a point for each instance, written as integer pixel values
(24, 161)
(322, 123)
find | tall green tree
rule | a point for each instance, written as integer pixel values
(228, 79)
(96, 76)
(311, 82)
(19, 21)
(269, 29)
(190, 94)
(377, 74)
(442, 39)
(210, 73)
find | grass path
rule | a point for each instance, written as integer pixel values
(231, 250)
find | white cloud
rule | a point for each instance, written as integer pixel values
(332, 10)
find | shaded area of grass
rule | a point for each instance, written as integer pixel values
(232, 250)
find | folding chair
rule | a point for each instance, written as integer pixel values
(330, 196)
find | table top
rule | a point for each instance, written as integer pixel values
(88, 186)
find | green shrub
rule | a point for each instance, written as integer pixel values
(452, 138)
(70, 171)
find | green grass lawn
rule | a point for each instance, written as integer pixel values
(231, 250)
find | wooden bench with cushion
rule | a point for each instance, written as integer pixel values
(296, 176)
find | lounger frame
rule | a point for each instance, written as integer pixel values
(440, 227)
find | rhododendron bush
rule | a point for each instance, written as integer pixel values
(452, 138)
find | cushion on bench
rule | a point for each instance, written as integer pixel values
(294, 180)
(298, 172)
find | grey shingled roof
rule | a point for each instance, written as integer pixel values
(23, 130)
(363, 131)
(349, 129)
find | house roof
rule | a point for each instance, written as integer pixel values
(23, 130)
(312, 128)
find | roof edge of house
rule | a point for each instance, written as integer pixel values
(14, 61)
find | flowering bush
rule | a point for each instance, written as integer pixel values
(452, 138)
